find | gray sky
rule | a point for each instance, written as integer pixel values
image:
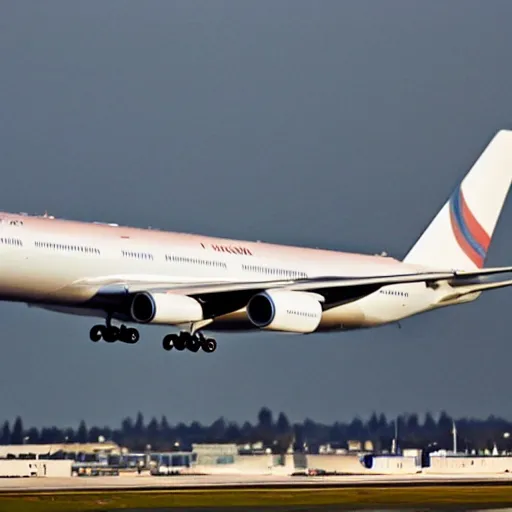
(335, 124)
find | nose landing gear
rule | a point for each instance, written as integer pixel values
(192, 342)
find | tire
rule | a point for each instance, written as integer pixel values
(111, 334)
(131, 335)
(193, 345)
(168, 342)
(209, 345)
(180, 342)
(134, 335)
(96, 333)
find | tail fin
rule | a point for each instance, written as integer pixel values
(460, 234)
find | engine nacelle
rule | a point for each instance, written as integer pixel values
(164, 308)
(287, 311)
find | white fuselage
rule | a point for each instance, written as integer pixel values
(43, 261)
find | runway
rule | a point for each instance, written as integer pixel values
(189, 482)
(249, 492)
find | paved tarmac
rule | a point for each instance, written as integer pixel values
(184, 482)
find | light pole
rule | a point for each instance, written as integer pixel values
(506, 436)
(394, 445)
(454, 433)
(147, 456)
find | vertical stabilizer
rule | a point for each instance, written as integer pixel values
(460, 234)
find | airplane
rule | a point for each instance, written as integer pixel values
(200, 284)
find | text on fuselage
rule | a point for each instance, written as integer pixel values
(230, 249)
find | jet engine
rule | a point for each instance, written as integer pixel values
(164, 308)
(287, 311)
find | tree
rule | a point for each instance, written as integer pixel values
(17, 432)
(284, 436)
(429, 425)
(337, 433)
(247, 432)
(127, 427)
(107, 433)
(94, 435)
(69, 435)
(153, 431)
(45, 437)
(278, 435)
(265, 418)
(413, 423)
(373, 424)
(298, 431)
(81, 435)
(356, 429)
(265, 429)
(164, 425)
(33, 436)
(217, 430)
(383, 422)
(283, 425)
(6, 434)
(310, 430)
(444, 424)
(139, 424)
(233, 434)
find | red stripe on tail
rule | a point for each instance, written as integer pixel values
(477, 231)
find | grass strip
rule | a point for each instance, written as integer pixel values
(347, 497)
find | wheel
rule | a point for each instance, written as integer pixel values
(193, 344)
(133, 335)
(168, 342)
(209, 345)
(180, 342)
(129, 335)
(123, 334)
(96, 333)
(111, 334)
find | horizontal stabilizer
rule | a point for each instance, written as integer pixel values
(465, 274)
(480, 287)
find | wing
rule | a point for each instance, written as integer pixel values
(156, 283)
(223, 297)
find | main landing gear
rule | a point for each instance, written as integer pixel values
(192, 342)
(111, 333)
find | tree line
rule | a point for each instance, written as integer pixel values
(277, 433)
